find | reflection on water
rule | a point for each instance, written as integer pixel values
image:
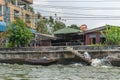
(58, 72)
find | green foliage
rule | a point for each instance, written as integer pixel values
(42, 26)
(74, 26)
(58, 25)
(38, 15)
(112, 35)
(49, 25)
(31, 9)
(12, 1)
(18, 34)
(98, 44)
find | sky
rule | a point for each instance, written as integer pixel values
(93, 13)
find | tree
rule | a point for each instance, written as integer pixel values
(42, 26)
(58, 25)
(55, 23)
(19, 34)
(12, 1)
(49, 25)
(74, 26)
(112, 35)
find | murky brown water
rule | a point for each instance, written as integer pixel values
(58, 72)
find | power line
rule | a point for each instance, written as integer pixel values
(81, 8)
(82, 1)
(90, 19)
(74, 13)
(76, 18)
(70, 16)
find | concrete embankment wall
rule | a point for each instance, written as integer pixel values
(58, 52)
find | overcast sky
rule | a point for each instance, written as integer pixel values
(78, 11)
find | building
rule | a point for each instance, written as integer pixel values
(10, 10)
(67, 37)
(70, 36)
(94, 36)
(42, 40)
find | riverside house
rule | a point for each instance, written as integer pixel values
(94, 36)
(69, 36)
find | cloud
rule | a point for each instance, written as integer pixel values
(37, 4)
(58, 11)
(40, 2)
(44, 10)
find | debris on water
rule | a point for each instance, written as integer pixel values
(100, 62)
(96, 62)
(78, 64)
(104, 66)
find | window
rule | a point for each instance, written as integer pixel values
(16, 14)
(1, 10)
(28, 18)
(102, 40)
(92, 39)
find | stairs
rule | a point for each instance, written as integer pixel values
(77, 53)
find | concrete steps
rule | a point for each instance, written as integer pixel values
(77, 53)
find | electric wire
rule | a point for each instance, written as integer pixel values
(75, 18)
(70, 13)
(81, 8)
(82, 1)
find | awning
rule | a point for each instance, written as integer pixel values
(2, 26)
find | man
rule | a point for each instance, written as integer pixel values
(87, 56)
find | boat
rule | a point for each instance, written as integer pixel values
(114, 61)
(43, 62)
(13, 61)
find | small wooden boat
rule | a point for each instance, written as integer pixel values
(115, 61)
(44, 62)
(13, 61)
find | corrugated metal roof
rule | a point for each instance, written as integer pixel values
(66, 31)
(2, 26)
(41, 36)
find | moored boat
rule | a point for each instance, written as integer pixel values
(44, 62)
(115, 61)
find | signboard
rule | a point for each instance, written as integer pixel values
(83, 27)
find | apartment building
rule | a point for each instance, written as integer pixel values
(10, 10)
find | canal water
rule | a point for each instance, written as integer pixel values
(58, 72)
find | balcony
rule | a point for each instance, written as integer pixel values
(28, 20)
(16, 17)
(16, 14)
(20, 12)
(27, 1)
